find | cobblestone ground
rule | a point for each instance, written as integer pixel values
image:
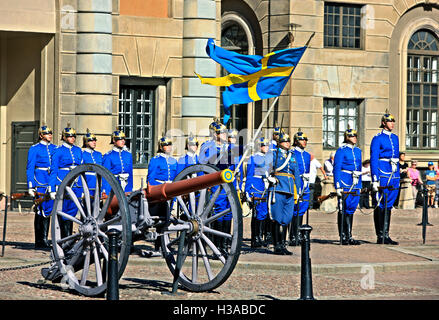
(366, 272)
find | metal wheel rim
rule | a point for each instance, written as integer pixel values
(89, 242)
(199, 249)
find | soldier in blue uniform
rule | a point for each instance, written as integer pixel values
(256, 182)
(273, 144)
(163, 167)
(303, 159)
(191, 156)
(384, 166)
(90, 155)
(65, 158)
(347, 178)
(212, 136)
(37, 171)
(285, 185)
(221, 154)
(119, 161)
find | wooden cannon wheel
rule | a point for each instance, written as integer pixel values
(210, 252)
(82, 257)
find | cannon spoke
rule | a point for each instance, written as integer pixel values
(105, 206)
(192, 201)
(183, 206)
(97, 196)
(68, 238)
(211, 203)
(103, 249)
(86, 192)
(217, 216)
(214, 248)
(76, 201)
(205, 260)
(217, 233)
(194, 262)
(69, 217)
(97, 266)
(85, 268)
(201, 202)
(110, 222)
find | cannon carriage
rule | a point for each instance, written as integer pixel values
(156, 213)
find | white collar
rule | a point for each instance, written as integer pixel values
(259, 153)
(89, 150)
(44, 142)
(386, 132)
(345, 144)
(299, 149)
(65, 144)
(190, 153)
(162, 154)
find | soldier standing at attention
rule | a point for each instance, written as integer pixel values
(39, 159)
(65, 158)
(191, 156)
(384, 166)
(303, 159)
(90, 155)
(119, 161)
(255, 185)
(285, 185)
(347, 178)
(273, 144)
(163, 167)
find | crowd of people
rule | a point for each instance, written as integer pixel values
(280, 171)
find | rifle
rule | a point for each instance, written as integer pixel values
(326, 197)
(38, 199)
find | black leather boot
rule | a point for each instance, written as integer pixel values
(387, 239)
(340, 223)
(293, 231)
(268, 231)
(45, 231)
(39, 232)
(253, 227)
(284, 241)
(257, 241)
(349, 221)
(277, 242)
(377, 219)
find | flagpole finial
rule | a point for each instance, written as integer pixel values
(309, 40)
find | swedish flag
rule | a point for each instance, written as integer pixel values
(252, 77)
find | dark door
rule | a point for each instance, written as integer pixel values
(24, 135)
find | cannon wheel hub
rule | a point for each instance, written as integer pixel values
(196, 228)
(89, 229)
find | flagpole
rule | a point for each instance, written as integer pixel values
(263, 121)
(256, 134)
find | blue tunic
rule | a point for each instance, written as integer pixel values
(95, 157)
(188, 160)
(347, 164)
(257, 169)
(281, 197)
(223, 157)
(39, 159)
(162, 168)
(384, 149)
(65, 158)
(119, 162)
(304, 162)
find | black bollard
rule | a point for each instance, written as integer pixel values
(305, 271)
(4, 226)
(113, 269)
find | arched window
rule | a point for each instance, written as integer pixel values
(422, 90)
(236, 36)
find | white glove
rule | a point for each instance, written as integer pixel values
(272, 180)
(266, 183)
(31, 192)
(52, 195)
(375, 186)
(339, 192)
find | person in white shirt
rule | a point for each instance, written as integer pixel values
(367, 180)
(328, 166)
(314, 165)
